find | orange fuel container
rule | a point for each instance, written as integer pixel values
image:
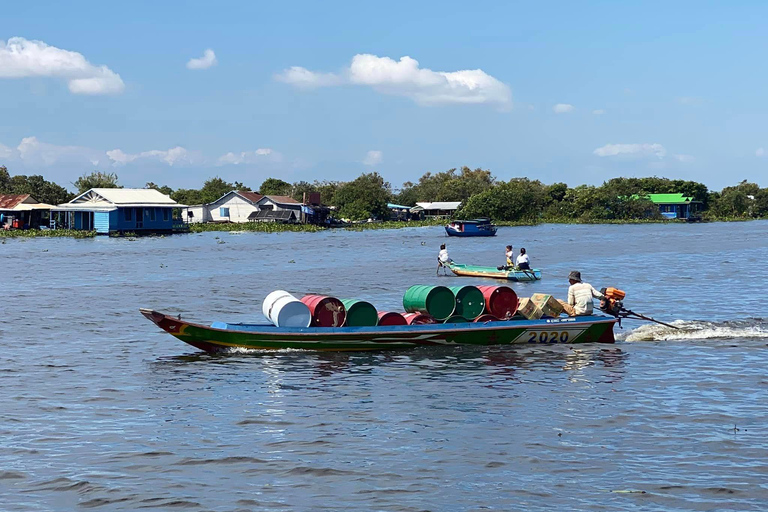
(615, 293)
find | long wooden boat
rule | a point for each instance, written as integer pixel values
(222, 336)
(509, 275)
(475, 227)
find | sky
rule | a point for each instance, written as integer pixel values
(575, 92)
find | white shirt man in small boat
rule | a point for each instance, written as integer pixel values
(580, 296)
(443, 260)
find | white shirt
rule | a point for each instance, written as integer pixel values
(443, 256)
(523, 258)
(510, 256)
(580, 297)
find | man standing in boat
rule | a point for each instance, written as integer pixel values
(443, 260)
(580, 296)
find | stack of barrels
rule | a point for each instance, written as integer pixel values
(459, 304)
(423, 304)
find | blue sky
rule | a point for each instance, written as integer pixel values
(566, 92)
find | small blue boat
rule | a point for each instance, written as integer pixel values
(475, 227)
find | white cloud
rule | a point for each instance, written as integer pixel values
(684, 158)
(22, 58)
(302, 77)
(760, 152)
(249, 157)
(36, 153)
(5, 151)
(632, 150)
(598, 112)
(406, 78)
(206, 61)
(373, 157)
(171, 157)
(562, 108)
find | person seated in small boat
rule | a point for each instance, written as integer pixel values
(509, 254)
(580, 296)
(523, 263)
(443, 260)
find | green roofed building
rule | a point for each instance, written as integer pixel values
(676, 206)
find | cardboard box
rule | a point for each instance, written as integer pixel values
(528, 309)
(548, 305)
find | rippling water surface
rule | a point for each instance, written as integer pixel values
(101, 410)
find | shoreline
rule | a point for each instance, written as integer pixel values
(261, 227)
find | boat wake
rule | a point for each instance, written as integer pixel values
(749, 328)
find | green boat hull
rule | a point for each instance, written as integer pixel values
(222, 337)
(495, 273)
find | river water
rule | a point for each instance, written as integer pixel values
(101, 410)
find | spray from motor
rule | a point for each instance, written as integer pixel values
(613, 305)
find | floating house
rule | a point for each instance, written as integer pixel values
(234, 206)
(117, 210)
(244, 206)
(676, 206)
(440, 209)
(277, 209)
(22, 211)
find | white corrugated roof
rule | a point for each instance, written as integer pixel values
(440, 205)
(124, 197)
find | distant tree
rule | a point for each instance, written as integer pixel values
(408, 195)
(187, 196)
(96, 179)
(35, 185)
(239, 186)
(165, 189)
(363, 198)
(737, 201)
(300, 188)
(214, 188)
(520, 199)
(275, 187)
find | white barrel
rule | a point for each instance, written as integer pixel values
(284, 310)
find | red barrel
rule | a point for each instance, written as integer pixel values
(391, 318)
(486, 318)
(326, 311)
(500, 301)
(418, 319)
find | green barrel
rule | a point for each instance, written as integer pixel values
(360, 313)
(437, 301)
(455, 319)
(470, 302)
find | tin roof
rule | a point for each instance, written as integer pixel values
(439, 205)
(10, 201)
(124, 196)
(250, 196)
(21, 203)
(670, 199)
(283, 199)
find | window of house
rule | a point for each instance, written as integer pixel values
(223, 212)
(152, 214)
(128, 214)
(166, 214)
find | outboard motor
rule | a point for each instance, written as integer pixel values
(612, 303)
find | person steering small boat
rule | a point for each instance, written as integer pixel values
(523, 263)
(443, 260)
(580, 296)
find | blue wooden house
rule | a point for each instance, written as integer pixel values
(120, 210)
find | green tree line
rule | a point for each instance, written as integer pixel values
(481, 195)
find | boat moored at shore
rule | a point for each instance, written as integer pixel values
(467, 228)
